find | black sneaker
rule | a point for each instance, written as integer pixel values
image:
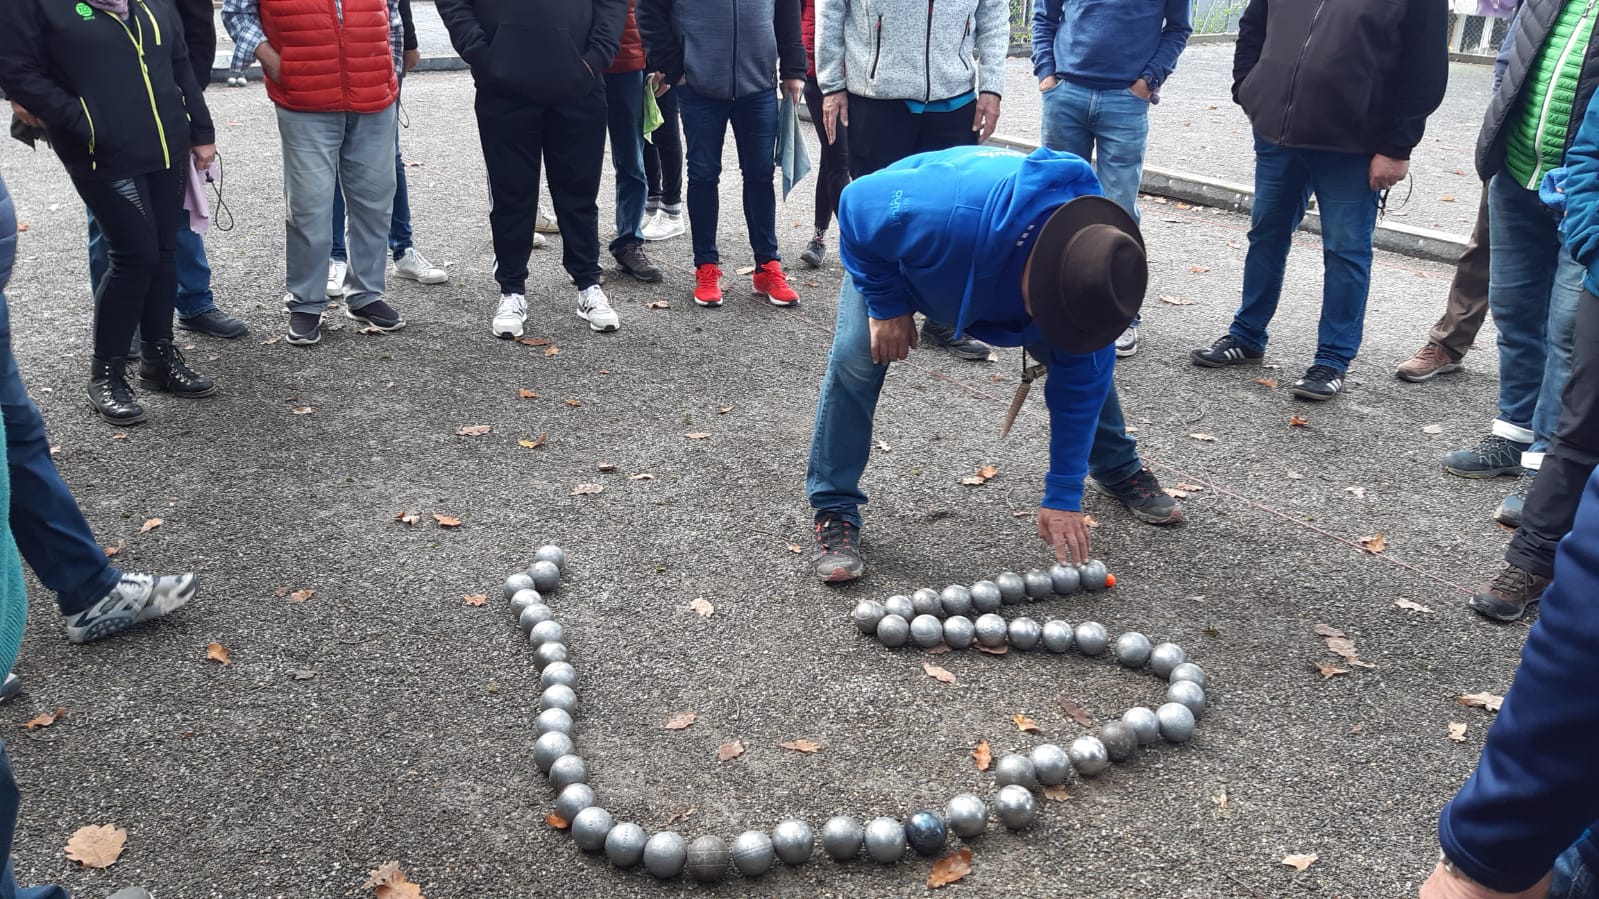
(377, 314)
(937, 334)
(1320, 383)
(305, 328)
(1227, 350)
(216, 323)
(1143, 497)
(1507, 598)
(1491, 457)
(633, 261)
(1511, 507)
(836, 558)
(815, 252)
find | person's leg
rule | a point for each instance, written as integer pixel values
(1564, 298)
(668, 140)
(339, 253)
(1526, 248)
(754, 120)
(194, 274)
(400, 237)
(1348, 208)
(10, 805)
(881, 132)
(1468, 292)
(704, 130)
(1282, 190)
(511, 135)
(1114, 456)
(99, 251)
(1121, 124)
(624, 104)
(311, 142)
(135, 255)
(163, 194)
(574, 158)
(826, 200)
(1065, 125)
(841, 442)
(366, 170)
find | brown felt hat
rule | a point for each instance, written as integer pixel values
(1088, 275)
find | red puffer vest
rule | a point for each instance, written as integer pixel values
(329, 67)
(630, 57)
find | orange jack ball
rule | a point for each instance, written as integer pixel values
(1110, 580)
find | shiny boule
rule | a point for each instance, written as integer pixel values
(926, 602)
(517, 582)
(1051, 764)
(842, 837)
(1190, 672)
(885, 840)
(532, 616)
(985, 597)
(546, 576)
(665, 854)
(1176, 722)
(893, 631)
(927, 631)
(956, 600)
(1095, 576)
(753, 854)
(866, 615)
(590, 828)
(548, 748)
(926, 833)
(567, 770)
(793, 841)
(1057, 635)
(959, 632)
(1144, 724)
(551, 553)
(1119, 739)
(1024, 633)
(707, 859)
(1015, 806)
(1090, 638)
(1132, 650)
(624, 845)
(1037, 584)
(901, 606)
(574, 799)
(966, 815)
(524, 598)
(1012, 588)
(548, 653)
(1065, 579)
(1165, 657)
(559, 696)
(1189, 694)
(1088, 756)
(1015, 769)
(992, 631)
(558, 673)
(547, 632)
(553, 721)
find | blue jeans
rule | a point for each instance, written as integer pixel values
(399, 221)
(10, 804)
(1284, 181)
(194, 270)
(624, 104)
(754, 120)
(1577, 870)
(1533, 289)
(842, 439)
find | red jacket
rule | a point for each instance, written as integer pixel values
(329, 67)
(808, 35)
(630, 58)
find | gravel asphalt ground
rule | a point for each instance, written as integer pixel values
(384, 718)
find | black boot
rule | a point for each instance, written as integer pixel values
(161, 368)
(109, 393)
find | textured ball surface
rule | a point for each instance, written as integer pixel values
(547, 632)
(524, 598)
(546, 576)
(707, 859)
(1065, 579)
(548, 748)
(1057, 635)
(959, 632)
(574, 799)
(1095, 576)
(546, 654)
(1090, 638)
(665, 854)
(1015, 769)
(558, 673)
(1144, 724)
(517, 582)
(1015, 806)
(1011, 587)
(967, 816)
(531, 616)
(925, 601)
(866, 615)
(753, 854)
(1119, 739)
(901, 606)
(551, 553)
(1176, 722)
(1088, 756)
(992, 631)
(567, 770)
(985, 597)
(1037, 584)
(926, 833)
(1024, 633)
(1133, 650)
(1165, 658)
(559, 696)
(842, 837)
(927, 631)
(553, 721)
(1190, 672)
(956, 600)
(590, 828)
(885, 840)
(1051, 764)
(624, 845)
(893, 631)
(1189, 694)
(793, 841)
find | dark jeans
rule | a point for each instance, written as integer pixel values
(139, 218)
(399, 221)
(569, 140)
(10, 804)
(754, 121)
(882, 132)
(1573, 452)
(1468, 292)
(833, 174)
(663, 154)
(193, 268)
(624, 103)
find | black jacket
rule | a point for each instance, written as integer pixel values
(81, 75)
(1354, 76)
(200, 33)
(543, 51)
(726, 48)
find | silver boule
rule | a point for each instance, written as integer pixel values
(707, 859)
(1132, 650)
(1188, 671)
(549, 552)
(1095, 576)
(1024, 633)
(901, 606)
(893, 631)
(992, 631)
(558, 673)
(624, 845)
(967, 816)
(866, 615)
(567, 770)
(959, 632)
(665, 854)
(985, 597)
(590, 828)
(1145, 726)
(1189, 694)
(1176, 722)
(1165, 658)
(531, 616)
(559, 696)
(517, 582)
(842, 837)
(1051, 764)
(1119, 739)
(1065, 579)
(546, 576)
(546, 654)
(1015, 806)
(956, 600)
(1015, 769)
(1090, 638)
(925, 601)
(521, 599)
(793, 841)
(574, 799)
(753, 854)
(927, 631)
(1011, 587)
(547, 632)
(553, 721)
(885, 840)
(1058, 635)
(1088, 756)
(1037, 584)
(548, 748)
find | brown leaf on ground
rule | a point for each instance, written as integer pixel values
(113, 550)
(97, 845)
(556, 821)
(681, 720)
(937, 673)
(1340, 645)
(575, 404)
(983, 476)
(950, 868)
(1025, 724)
(475, 599)
(1486, 701)
(702, 607)
(526, 394)
(533, 341)
(1327, 630)
(983, 755)
(1300, 862)
(1270, 383)
(805, 746)
(646, 476)
(1175, 301)
(697, 435)
(44, 719)
(1203, 437)
(1198, 269)
(303, 410)
(1090, 521)
(151, 525)
(473, 430)
(795, 548)
(1329, 671)
(681, 814)
(1056, 793)
(745, 270)
(1175, 493)
(729, 751)
(724, 410)
(1409, 606)
(588, 489)
(534, 444)
(991, 650)
(1374, 544)
(1222, 800)
(552, 350)
(446, 521)
(660, 304)
(216, 652)
(605, 468)
(302, 595)
(1446, 198)
(1457, 731)
(1191, 488)
(407, 518)
(1074, 711)
(1298, 421)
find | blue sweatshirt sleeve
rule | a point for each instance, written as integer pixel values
(1075, 392)
(1582, 193)
(1046, 21)
(1173, 38)
(1536, 787)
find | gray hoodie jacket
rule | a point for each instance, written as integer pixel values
(911, 49)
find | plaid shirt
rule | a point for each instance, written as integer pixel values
(242, 18)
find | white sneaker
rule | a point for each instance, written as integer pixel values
(509, 318)
(415, 266)
(546, 223)
(336, 272)
(594, 308)
(539, 241)
(664, 226)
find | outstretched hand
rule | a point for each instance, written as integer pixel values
(1067, 532)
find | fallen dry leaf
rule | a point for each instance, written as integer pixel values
(681, 814)
(681, 720)
(97, 845)
(391, 883)
(556, 821)
(795, 548)
(983, 755)
(1457, 731)
(991, 650)
(44, 719)
(1329, 671)
(724, 410)
(937, 673)
(473, 430)
(151, 525)
(1374, 544)
(1025, 724)
(22, 227)
(745, 270)
(475, 599)
(1196, 269)
(302, 595)
(1409, 606)
(702, 607)
(1446, 198)
(588, 489)
(805, 746)
(526, 394)
(446, 521)
(1359, 492)
(646, 476)
(1175, 301)
(1488, 701)
(1057, 793)
(1267, 382)
(1203, 438)
(1174, 493)
(533, 341)
(1298, 421)
(697, 435)
(1074, 711)
(950, 868)
(1221, 799)
(534, 444)
(983, 476)
(113, 550)
(1340, 645)
(1433, 429)
(552, 350)
(729, 751)
(407, 518)
(1191, 488)
(1300, 862)
(216, 652)
(660, 304)
(303, 410)
(605, 468)
(575, 404)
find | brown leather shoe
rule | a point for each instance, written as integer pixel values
(1429, 362)
(1507, 598)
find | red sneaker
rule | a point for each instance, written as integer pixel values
(708, 285)
(771, 283)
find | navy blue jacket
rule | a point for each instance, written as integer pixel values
(727, 49)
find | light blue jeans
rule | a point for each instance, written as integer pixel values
(353, 151)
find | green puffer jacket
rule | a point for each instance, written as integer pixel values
(1530, 31)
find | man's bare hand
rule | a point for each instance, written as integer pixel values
(835, 111)
(795, 88)
(271, 62)
(25, 116)
(892, 338)
(1067, 532)
(410, 59)
(986, 119)
(1446, 885)
(204, 155)
(1141, 90)
(1387, 171)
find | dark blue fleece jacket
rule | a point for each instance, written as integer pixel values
(939, 234)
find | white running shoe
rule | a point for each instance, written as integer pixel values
(135, 599)
(665, 226)
(415, 266)
(509, 318)
(594, 308)
(546, 223)
(539, 241)
(336, 272)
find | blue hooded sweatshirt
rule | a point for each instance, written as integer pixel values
(945, 234)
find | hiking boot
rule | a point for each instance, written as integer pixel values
(376, 314)
(161, 367)
(942, 336)
(1491, 457)
(1227, 350)
(337, 270)
(836, 558)
(414, 265)
(1429, 362)
(510, 316)
(1509, 511)
(631, 259)
(594, 308)
(708, 285)
(665, 226)
(1320, 383)
(305, 328)
(109, 393)
(815, 251)
(135, 599)
(1127, 344)
(216, 323)
(1142, 496)
(1507, 598)
(770, 282)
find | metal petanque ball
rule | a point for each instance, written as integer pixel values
(558, 673)
(1011, 587)
(568, 770)
(842, 837)
(547, 654)
(1176, 722)
(624, 845)
(793, 841)
(866, 615)
(1189, 694)
(985, 597)
(1065, 579)
(1091, 638)
(992, 631)
(665, 854)
(1190, 672)
(927, 631)
(1015, 806)
(531, 616)
(549, 552)
(753, 854)
(546, 576)
(959, 632)
(967, 816)
(1119, 739)
(547, 632)
(548, 748)
(559, 696)
(1165, 658)
(574, 799)
(901, 606)
(926, 833)
(1094, 575)
(524, 598)
(926, 602)
(1057, 635)
(553, 721)
(956, 600)
(1088, 756)
(707, 859)
(1132, 650)
(590, 828)
(1024, 633)
(1015, 769)
(893, 631)
(1038, 584)
(1144, 724)
(885, 840)
(1051, 764)
(517, 583)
